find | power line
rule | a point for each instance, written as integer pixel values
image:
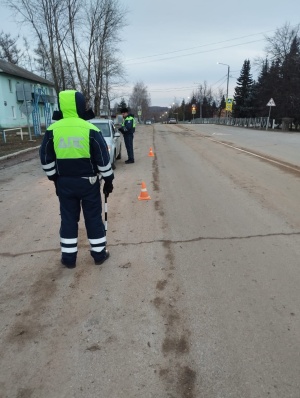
(198, 52)
(203, 45)
(171, 89)
(223, 77)
(224, 80)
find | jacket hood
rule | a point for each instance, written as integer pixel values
(71, 103)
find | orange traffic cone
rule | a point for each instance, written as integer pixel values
(144, 194)
(150, 152)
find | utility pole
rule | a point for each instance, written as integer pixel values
(228, 72)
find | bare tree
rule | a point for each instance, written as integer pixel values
(73, 41)
(140, 98)
(110, 21)
(279, 45)
(47, 19)
(42, 64)
(114, 77)
(203, 91)
(8, 48)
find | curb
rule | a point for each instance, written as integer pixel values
(11, 155)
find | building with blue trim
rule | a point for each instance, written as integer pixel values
(20, 88)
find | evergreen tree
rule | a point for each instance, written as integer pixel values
(193, 100)
(243, 97)
(262, 91)
(290, 95)
(205, 108)
(221, 106)
(181, 111)
(269, 86)
(213, 109)
(122, 104)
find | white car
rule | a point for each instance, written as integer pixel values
(112, 138)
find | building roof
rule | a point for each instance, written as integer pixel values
(15, 70)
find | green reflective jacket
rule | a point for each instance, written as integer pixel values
(72, 146)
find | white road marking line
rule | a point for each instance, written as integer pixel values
(254, 154)
(220, 134)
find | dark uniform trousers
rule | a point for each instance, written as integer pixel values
(74, 193)
(128, 139)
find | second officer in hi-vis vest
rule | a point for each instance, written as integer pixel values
(128, 129)
(73, 153)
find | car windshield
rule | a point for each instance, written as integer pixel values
(104, 127)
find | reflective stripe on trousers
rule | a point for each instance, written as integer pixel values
(74, 194)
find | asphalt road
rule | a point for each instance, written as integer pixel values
(283, 146)
(200, 298)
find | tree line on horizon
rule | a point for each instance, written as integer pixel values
(278, 78)
(76, 47)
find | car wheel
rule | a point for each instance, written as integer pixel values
(120, 153)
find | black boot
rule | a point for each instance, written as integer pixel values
(105, 257)
(67, 264)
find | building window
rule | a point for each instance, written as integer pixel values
(13, 112)
(9, 85)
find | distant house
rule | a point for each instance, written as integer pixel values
(21, 88)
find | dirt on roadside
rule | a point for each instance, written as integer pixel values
(18, 150)
(14, 143)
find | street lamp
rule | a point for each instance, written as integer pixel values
(228, 70)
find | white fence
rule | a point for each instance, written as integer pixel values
(256, 123)
(7, 130)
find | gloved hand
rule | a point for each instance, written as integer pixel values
(108, 188)
(121, 129)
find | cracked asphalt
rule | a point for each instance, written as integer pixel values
(200, 297)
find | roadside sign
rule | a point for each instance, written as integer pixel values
(229, 102)
(271, 102)
(139, 113)
(26, 108)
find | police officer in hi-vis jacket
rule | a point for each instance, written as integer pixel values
(73, 153)
(128, 129)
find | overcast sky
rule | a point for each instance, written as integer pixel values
(172, 46)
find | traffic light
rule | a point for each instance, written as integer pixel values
(193, 109)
